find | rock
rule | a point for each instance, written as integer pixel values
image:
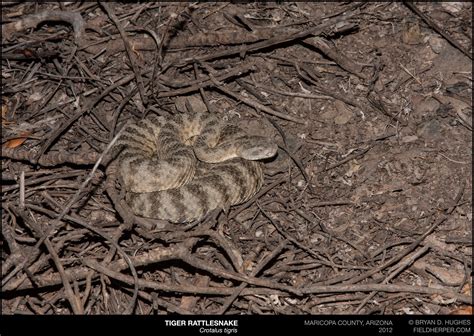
(426, 106)
(412, 35)
(194, 102)
(436, 43)
(430, 129)
(343, 113)
(409, 138)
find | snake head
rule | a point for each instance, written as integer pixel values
(257, 148)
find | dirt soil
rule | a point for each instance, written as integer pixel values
(366, 209)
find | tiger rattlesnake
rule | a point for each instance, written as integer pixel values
(182, 167)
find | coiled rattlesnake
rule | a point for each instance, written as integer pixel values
(181, 168)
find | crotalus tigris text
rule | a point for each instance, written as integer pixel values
(182, 167)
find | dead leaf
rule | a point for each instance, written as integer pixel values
(13, 143)
(4, 114)
(467, 289)
(4, 111)
(466, 310)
